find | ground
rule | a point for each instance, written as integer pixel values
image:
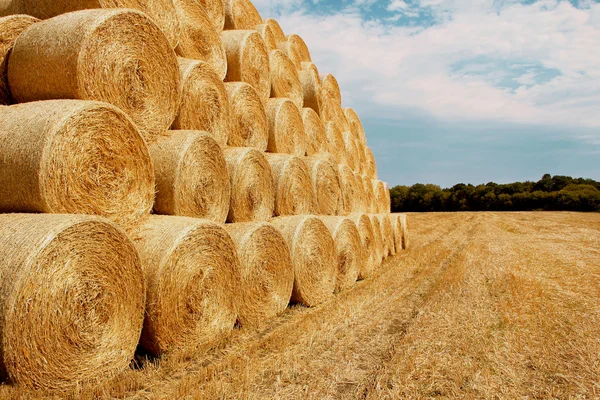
(482, 305)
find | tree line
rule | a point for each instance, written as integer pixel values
(551, 193)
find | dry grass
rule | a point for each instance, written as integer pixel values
(488, 305)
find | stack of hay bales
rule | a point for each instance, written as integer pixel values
(205, 175)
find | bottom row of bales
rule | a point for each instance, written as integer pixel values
(76, 290)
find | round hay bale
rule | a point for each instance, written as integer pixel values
(367, 240)
(266, 271)
(388, 198)
(193, 274)
(299, 47)
(191, 176)
(215, 9)
(361, 205)
(332, 111)
(370, 201)
(249, 123)
(10, 28)
(311, 86)
(315, 132)
(248, 60)
(352, 194)
(252, 185)
(293, 186)
(361, 156)
(396, 220)
(267, 35)
(405, 240)
(291, 52)
(348, 249)
(370, 166)
(313, 258)
(380, 196)
(276, 29)
(356, 126)
(73, 157)
(286, 128)
(352, 158)
(241, 14)
(199, 39)
(331, 87)
(71, 298)
(387, 234)
(378, 249)
(335, 143)
(162, 12)
(117, 56)
(326, 185)
(285, 81)
(204, 101)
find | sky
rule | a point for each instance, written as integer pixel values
(462, 91)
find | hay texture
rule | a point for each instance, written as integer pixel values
(367, 240)
(10, 28)
(293, 186)
(348, 249)
(331, 86)
(332, 111)
(355, 125)
(388, 198)
(248, 60)
(316, 139)
(378, 248)
(241, 14)
(285, 81)
(380, 196)
(266, 271)
(299, 48)
(249, 123)
(400, 231)
(370, 203)
(311, 86)
(199, 39)
(215, 9)
(72, 298)
(276, 29)
(252, 185)
(387, 235)
(191, 176)
(204, 101)
(286, 128)
(162, 12)
(313, 258)
(117, 56)
(361, 156)
(267, 35)
(73, 157)
(370, 166)
(326, 185)
(335, 143)
(352, 191)
(193, 276)
(352, 157)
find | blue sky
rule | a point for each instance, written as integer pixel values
(465, 91)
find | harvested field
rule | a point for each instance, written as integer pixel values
(487, 305)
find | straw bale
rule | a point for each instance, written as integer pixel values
(248, 60)
(313, 258)
(293, 186)
(72, 299)
(352, 157)
(352, 191)
(348, 249)
(332, 111)
(335, 143)
(191, 176)
(326, 185)
(116, 55)
(241, 14)
(397, 227)
(356, 126)
(193, 274)
(73, 157)
(387, 235)
(332, 87)
(299, 47)
(367, 240)
(249, 123)
(388, 199)
(204, 101)
(315, 132)
(286, 128)
(215, 9)
(311, 86)
(291, 52)
(199, 38)
(400, 231)
(276, 29)
(361, 156)
(370, 166)
(378, 241)
(267, 35)
(10, 28)
(266, 271)
(370, 201)
(252, 185)
(380, 196)
(285, 80)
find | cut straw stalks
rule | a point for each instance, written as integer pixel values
(293, 186)
(331, 86)
(215, 9)
(241, 14)
(370, 204)
(73, 157)
(248, 60)
(367, 240)
(352, 157)
(285, 80)
(267, 35)
(191, 176)
(299, 48)
(249, 123)
(352, 190)
(335, 143)
(348, 249)
(380, 196)
(400, 223)
(116, 55)
(193, 276)
(388, 199)
(162, 12)
(356, 126)
(326, 185)
(267, 274)
(204, 101)
(286, 128)
(332, 111)
(10, 28)
(252, 185)
(361, 156)
(71, 298)
(315, 133)
(311, 86)
(378, 248)
(276, 29)
(199, 39)
(387, 235)
(313, 258)
(370, 166)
